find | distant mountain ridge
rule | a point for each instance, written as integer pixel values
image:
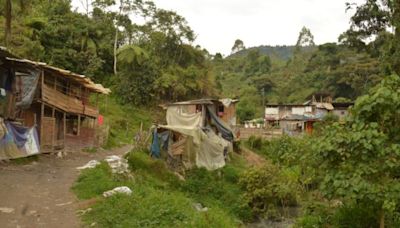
(284, 52)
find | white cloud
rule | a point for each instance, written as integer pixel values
(218, 23)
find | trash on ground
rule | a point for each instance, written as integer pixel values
(118, 164)
(122, 190)
(6, 210)
(90, 165)
(200, 207)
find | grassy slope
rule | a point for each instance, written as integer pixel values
(160, 199)
(125, 120)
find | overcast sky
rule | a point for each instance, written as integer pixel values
(217, 23)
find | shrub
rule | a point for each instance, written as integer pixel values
(255, 142)
(267, 187)
(93, 182)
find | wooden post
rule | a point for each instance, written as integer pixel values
(41, 123)
(79, 124)
(42, 108)
(54, 127)
(65, 125)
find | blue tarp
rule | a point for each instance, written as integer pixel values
(18, 141)
(155, 146)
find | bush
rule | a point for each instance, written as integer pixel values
(357, 216)
(93, 182)
(268, 187)
(149, 207)
(255, 142)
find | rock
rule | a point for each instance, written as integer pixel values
(90, 165)
(93, 224)
(200, 207)
(7, 210)
(122, 190)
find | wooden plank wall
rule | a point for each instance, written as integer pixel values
(67, 103)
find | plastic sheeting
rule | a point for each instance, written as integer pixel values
(28, 84)
(207, 148)
(176, 117)
(224, 129)
(17, 141)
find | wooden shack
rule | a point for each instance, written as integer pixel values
(63, 106)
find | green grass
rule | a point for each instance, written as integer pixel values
(160, 199)
(93, 182)
(25, 160)
(125, 120)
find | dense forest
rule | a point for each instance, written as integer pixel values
(146, 54)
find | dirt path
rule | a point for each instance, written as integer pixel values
(38, 194)
(252, 158)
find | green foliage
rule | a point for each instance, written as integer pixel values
(268, 187)
(25, 160)
(125, 120)
(213, 189)
(148, 207)
(160, 199)
(93, 182)
(358, 160)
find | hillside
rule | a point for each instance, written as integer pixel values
(282, 52)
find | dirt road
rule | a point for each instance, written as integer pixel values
(38, 194)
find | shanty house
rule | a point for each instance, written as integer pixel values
(54, 102)
(297, 118)
(194, 135)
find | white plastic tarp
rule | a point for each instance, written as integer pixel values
(208, 148)
(176, 117)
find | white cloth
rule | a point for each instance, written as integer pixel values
(176, 117)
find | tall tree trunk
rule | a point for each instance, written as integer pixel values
(8, 15)
(382, 219)
(115, 51)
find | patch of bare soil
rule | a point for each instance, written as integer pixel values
(38, 194)
(252, 158)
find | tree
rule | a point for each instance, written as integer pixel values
(8, 16)
(125, 8)
(237, 46)
(305, 38)
(370, 22)
(359, 161)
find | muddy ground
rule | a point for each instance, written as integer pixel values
(38, 194)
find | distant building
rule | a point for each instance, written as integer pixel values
(294, 119)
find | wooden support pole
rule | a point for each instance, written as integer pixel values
(79, 124)
(42, 108)
(41, 123)
(64, 125)
(53, 138)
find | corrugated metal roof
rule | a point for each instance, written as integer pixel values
(79, 78)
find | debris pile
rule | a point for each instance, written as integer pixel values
(117, 164)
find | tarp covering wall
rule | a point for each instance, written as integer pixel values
(27, 85)
(17, 141)
(176, 117)
(208, 148)
(223, 128)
